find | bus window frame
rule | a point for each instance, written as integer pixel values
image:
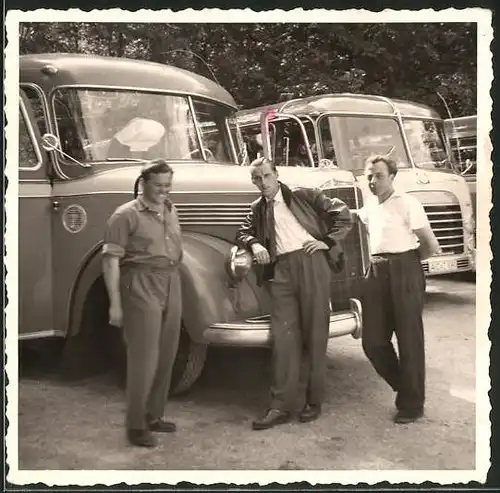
(445, 140)
(287, 116)
(100, 87)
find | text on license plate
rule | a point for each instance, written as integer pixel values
(436, 266)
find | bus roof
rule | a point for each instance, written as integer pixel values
(342, 102)
(90, 70)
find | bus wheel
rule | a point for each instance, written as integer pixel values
(188, 365)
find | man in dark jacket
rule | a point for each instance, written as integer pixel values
(293, 235)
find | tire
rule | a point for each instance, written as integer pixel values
(99, 342)
(188, 365)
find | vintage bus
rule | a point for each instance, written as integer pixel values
(86, 125)
(342, 130)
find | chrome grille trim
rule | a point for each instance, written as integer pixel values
(233, 214)
(214, 214)
(447, 224)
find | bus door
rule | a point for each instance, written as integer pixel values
(35, 219)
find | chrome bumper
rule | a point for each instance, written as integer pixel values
(256, 331)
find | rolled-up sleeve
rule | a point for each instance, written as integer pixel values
(117, 235)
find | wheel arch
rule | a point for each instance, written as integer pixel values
(207, 296)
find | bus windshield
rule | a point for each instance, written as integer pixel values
(349, 140)
(96, 125)
(426, 139)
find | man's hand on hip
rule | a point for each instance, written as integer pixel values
(261, 254)
(312, 246)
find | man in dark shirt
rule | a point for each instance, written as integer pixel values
(141, 254)
(294, 236)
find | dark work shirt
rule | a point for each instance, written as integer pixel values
(145, 234)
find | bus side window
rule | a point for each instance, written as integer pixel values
(254, 147)
(33, 99)
(327, 142)
(213, 132)
(27, 157)
(66, 118)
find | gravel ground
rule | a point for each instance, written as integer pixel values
(79, 425)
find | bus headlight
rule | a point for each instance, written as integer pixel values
(238, 263)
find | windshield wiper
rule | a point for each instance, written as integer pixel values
(127, 159)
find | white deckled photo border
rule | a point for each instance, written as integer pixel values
(483, 310)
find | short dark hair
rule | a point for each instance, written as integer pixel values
(260, 161)
(153, 167)
(392, 166)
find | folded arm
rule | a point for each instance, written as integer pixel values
(336, 215)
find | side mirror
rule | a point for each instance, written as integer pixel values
(50, 142)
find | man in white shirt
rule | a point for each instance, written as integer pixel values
(293, 235)
(400, 237)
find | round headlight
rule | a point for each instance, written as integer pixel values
(238, 263)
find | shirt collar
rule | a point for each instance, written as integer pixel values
(394, 195)
(146, 205)
(278, 197)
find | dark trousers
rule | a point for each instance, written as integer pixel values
(300, 319)
(151, 301)
(393, 303)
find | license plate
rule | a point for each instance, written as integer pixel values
(439, 266)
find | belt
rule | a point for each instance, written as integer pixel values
(168, 267)
(287, 254)
(393, 254)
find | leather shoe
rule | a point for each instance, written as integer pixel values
(162, 426)
(272, 418)
(405, 417)
(310, 412)
(141, 438)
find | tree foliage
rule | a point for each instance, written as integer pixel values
(258, 63)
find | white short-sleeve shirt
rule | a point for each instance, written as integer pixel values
(392, 223)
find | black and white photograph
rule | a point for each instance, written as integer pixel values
(249, 245)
